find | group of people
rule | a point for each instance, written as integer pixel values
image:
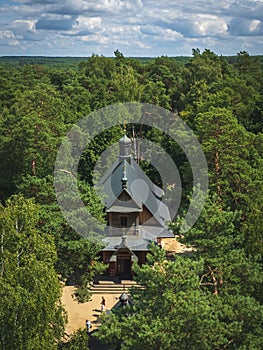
(102, 309)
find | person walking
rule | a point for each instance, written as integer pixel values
(88, 326)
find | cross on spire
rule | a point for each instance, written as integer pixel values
(124, 176)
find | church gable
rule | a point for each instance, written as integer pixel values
(124, 203)
(123, 213)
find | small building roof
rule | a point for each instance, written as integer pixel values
(124, 300)
(134, 243)
(123, 246)
(139, 242)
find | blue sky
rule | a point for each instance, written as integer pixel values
(134, 27)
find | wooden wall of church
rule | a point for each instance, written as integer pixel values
(146, 217)
(132, 221)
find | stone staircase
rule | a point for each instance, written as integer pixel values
(110, 287)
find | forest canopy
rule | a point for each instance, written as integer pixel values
(221, 99)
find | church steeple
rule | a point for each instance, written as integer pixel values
(125, 148)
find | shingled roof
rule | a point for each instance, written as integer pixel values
(139, 187)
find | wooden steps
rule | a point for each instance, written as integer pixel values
(109, 287)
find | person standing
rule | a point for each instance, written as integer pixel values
(103, 303)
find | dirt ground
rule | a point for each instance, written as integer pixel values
(78, 313)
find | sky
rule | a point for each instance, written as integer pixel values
(138, 28)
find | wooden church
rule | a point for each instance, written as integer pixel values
(136, 215)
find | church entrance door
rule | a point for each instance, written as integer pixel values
(124, 265)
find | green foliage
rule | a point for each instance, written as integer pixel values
(234, 158)
(218, 240)
(209, 81)
(31, 316)
(210, 301)
(31, 130)
(78, 341)
(228, 148)
(77, 256)
(177, 310)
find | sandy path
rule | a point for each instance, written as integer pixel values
(78, 313)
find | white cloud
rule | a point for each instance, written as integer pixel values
(244, 27)
(27, 23)
(150, 29)
(171, 35)
(248, 9)
(209, 25)
(254, 25)
(85, 25)
(8, 38)
(136, 27)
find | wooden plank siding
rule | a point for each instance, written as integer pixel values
(147, 218)
(132, 221)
